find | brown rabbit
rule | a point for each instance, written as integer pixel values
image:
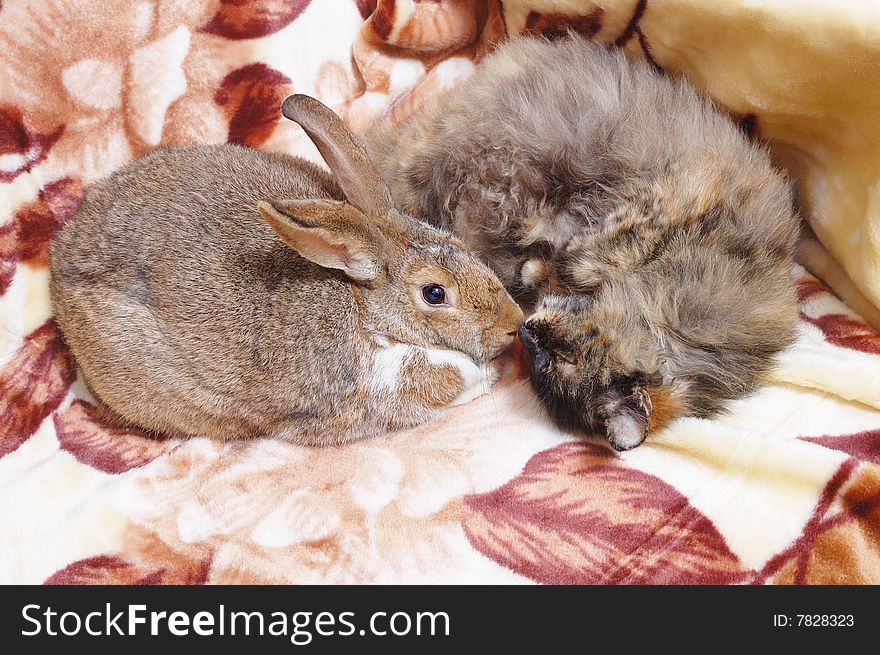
(654, 238)
(232, 293)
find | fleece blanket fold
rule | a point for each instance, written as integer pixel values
(785, 488)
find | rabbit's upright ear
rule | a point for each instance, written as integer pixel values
(330, 233)
(343, 152)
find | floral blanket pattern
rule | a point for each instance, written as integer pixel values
(783, 489)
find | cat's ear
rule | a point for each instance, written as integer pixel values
(627, 412)
(635, 409)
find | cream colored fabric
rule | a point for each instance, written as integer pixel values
(784, 488)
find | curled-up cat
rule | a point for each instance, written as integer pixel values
(652, 238)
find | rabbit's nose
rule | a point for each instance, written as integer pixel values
(511, 316)
(531, 342)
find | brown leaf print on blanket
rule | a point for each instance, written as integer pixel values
(32, 384)
(838, 545)
(27, 236)
(7, 272)
(809, 288)
(366, 7)
(106, 448)
(110, 76)
(862, 445)
(578, 515)
(838, 328)
(632, 25)
(20, 148)
(634, 28)
(381, 19)
(251, 97)
(435, 27)
(248, 19)
(168, 569)
(847, 332)
(555, 26)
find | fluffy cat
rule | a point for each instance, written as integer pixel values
(652, 238)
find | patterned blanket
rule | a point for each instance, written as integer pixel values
(785, 488)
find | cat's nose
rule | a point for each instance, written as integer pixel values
(531, 342)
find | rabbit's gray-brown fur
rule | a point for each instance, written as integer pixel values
(189, 313)
(654, 238)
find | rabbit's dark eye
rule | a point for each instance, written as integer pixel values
(434, 294)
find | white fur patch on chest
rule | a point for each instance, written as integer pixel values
(392, 361)
(388, 362)
(477, 379)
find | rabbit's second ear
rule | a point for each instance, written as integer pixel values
(330, 233)
(343, 152)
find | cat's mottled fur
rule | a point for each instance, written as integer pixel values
(654, 240)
